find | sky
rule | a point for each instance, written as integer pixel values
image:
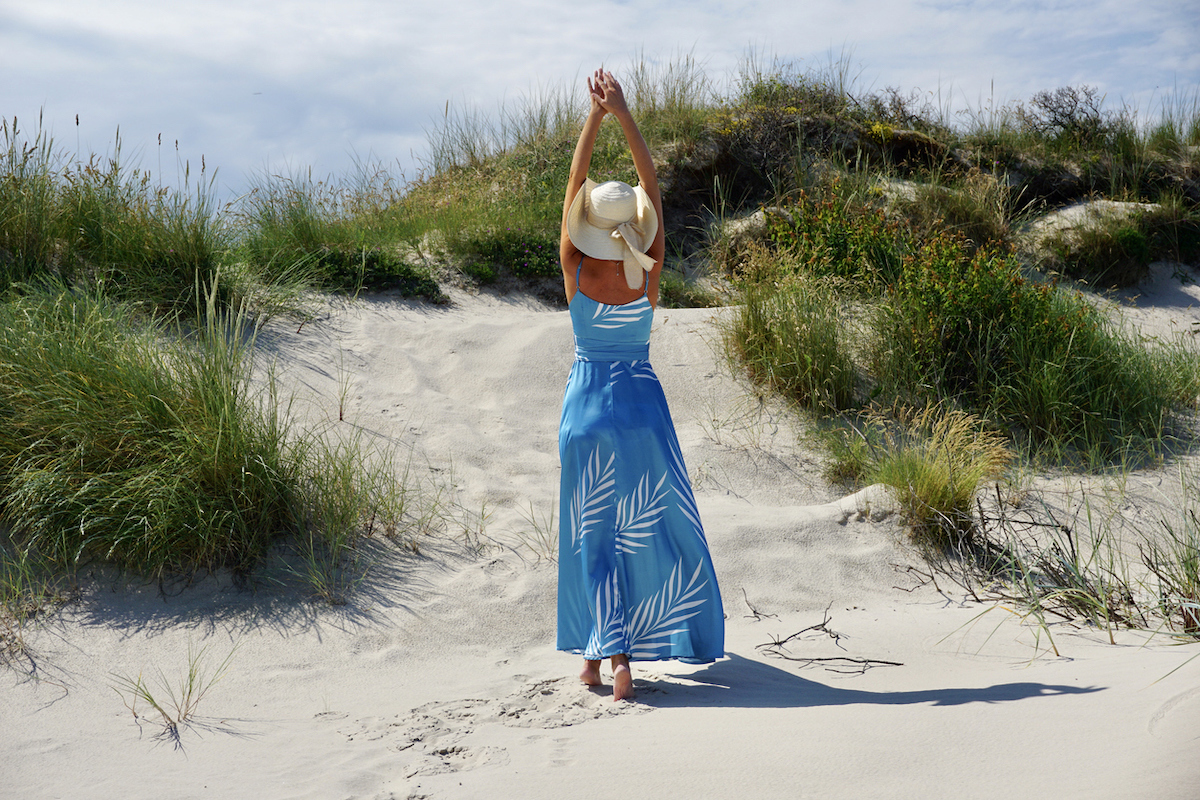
(263, 87)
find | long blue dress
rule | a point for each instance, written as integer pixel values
(634, 571)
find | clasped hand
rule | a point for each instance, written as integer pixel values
(606, 93)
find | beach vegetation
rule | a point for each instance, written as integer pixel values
(538, 535)
(173, 703)
(942, 321)
(105, 223)
(793, 337)
(332, 237)
(1074, 563)
(933, 460)
(150, 448)
(29, 588)
(1173, 561)
(1113, 246)
(889, 273)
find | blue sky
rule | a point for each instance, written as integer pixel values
(266, 85)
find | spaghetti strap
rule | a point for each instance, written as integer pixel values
(577, 271)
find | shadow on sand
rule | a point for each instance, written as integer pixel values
(737, 682)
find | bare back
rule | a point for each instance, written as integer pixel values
(604, 281)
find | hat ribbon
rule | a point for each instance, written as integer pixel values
(628, 233)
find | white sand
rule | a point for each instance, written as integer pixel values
(441, 680)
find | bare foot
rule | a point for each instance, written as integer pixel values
(622, 680)
(591, 673)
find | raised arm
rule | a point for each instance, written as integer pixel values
(607, 97)
(580, 161)
(612, 99)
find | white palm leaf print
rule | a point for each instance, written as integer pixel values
(607, 316)
(608, 632)
(596, 484)
(631, 370)
(643, 370)
(661, 616)
(683, 490)
(639, 513)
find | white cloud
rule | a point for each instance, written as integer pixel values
(310, 83)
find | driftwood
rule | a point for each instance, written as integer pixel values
(755, 614)
(847, 665)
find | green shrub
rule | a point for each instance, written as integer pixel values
(968, 328)
(953, 313)
(374, 270)
(1115, 253)
(525, 254)
(1115, 249)
(832, 237)
(762, 140)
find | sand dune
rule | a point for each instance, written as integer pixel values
(441, 678)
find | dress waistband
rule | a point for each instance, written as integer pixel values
(599, 350)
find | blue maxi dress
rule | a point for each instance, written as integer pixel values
(634, 572)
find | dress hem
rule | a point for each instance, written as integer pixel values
(579, 651)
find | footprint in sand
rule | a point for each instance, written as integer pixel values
(433, 735)
(559, 753)
(558, 703)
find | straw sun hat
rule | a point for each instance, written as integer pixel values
(614, 221)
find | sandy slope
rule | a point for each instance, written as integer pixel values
(441, 680)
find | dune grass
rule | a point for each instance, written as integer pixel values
(149, 448)
(933, 459)
(794, 338)
(29, 587)
(1173, 560)
(103, 222)
(177, 702)
(113, 442)
(29, 196)
(945, 321)
(1075, 563)
(335, 237)
(975, 205)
